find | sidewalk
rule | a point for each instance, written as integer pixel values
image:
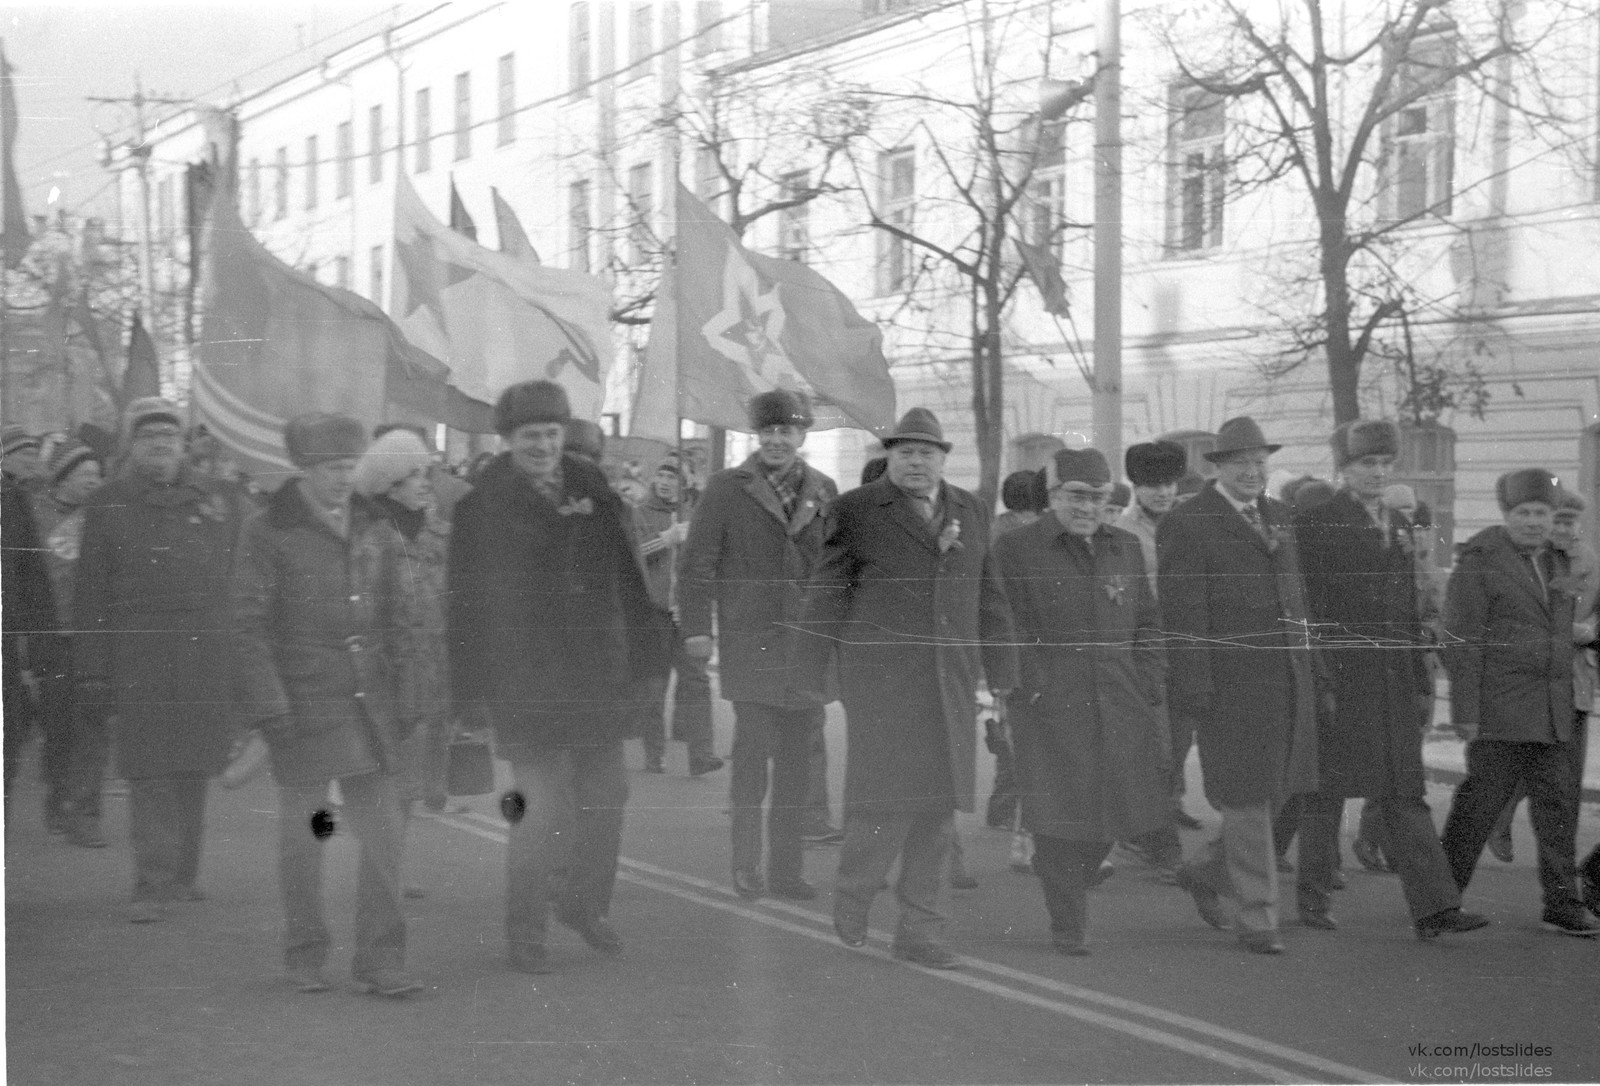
(1445, 756)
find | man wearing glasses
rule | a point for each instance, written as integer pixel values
(151, 595)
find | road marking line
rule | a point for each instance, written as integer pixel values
(674, 883)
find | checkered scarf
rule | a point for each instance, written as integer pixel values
(786, 484)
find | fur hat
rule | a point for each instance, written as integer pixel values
(148, 409)
(918, 424)
(312, 438)
(1364, 437)
(585, 439)
(1312, 493)
(1190, 484)
(65, 456)
(1155, 463)
(1516, 488)
(15, 439)
(1121, 495)
(390, 460)
(1567, 501)
(1076, 466)
(530, 401)
(1239, 435)
(780, 407)
(671, 466)
(873, 469)
(1020, 492)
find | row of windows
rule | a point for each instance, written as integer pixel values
(706, 38)
(343, 162)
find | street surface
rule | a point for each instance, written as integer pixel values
(712, 989)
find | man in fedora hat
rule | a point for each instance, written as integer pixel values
(1360, 582)
(755, 539)
(909, 594)
(1240, 668)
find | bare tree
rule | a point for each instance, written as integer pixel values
(1357, 103)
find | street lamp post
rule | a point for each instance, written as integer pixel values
(1107, 392)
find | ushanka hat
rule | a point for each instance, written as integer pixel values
(1364, 437)
(391, 459)
(586, 439)
(312, 438)
(918, 424)
(15, 439)
(530, 401)
(1567, 501)
(1085, 466)
(1239, 435)
(149, 409)
(1155, 463)
(1516, 488)
(65, 456)
(1121, 495)
(779, 407)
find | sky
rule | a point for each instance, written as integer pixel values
(64, 52)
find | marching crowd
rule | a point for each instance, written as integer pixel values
(358, 620)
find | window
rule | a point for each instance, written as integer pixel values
(344, 140)
(253, 191)
(506, 129)
(707, 27)
(641, 37)
(424, 138)
(578, 50)
(280, 185)
(341, 272)
(578, 225)
(1196, 170)
(374, 145)
(794, 223)
(463, 116)
(311, 172)
(375, 274)
(641, 202)
(897, 195)
(1046, 203)
(1419, 151)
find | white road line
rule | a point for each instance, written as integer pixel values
(713, 895)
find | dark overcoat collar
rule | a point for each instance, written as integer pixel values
(760, 490)
(1226, 515)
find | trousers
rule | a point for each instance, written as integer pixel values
(1411, 845)
(577, 791)
(371, 810)
(691, 710)
(1240, 865)
(763, 735)
(166, 820)
(1066, 870)
(920, 842)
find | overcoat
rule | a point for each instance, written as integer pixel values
(1361, 593)
(1508, 642)
(915, 627)
(422, 684)
(752, 562)
(316, 633)
(1085, 721)
(549, 623)
(150, 600)
(1239, 656)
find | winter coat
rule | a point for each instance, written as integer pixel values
(914, 629)
(419, 652)
(1361, 592)
(1508, 643)
(1089, 738)
(1134, 519)
(1239, 657)
(316, 633)
(27, 604)
(750, 561)
(651, 517)
(150, 602)
(60, 529)
(549, 624)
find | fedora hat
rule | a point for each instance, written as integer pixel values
(918, 424)
(1239, 435)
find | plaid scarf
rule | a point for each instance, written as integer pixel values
(786, 485)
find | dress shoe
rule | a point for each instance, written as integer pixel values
(1501, 848)
(532, 959)
(1073, 946)
(1449, 922)
(960, 880)
(390, 983)
(748, 885)
(1261, 942)
(1101, 873)
(1320, 919)
(188, 893)
(596, 931)
(1184, 820)
(927, 955)
(1569, 921)
(146, 912)
(850, 921)
(1370, 856)
(85, 834)
(1207, 902)
(795, 889)
(308, 979)
(1591, 893)
(1338, 882)
(709, 765)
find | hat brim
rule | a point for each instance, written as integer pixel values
(1222, 454)
(929, 439)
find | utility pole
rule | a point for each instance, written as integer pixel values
(1107, 410)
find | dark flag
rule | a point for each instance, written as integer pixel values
(1046, 275)
(143, 375)
(513, 239)
(14, 239)
(460, 221)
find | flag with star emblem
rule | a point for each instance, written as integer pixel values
(275, 343)
(730, 323)
(497, 318)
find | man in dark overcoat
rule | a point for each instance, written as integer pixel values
(1241, 668)
(1085, 718)
(27, 609)
(908, 593)
(1508, 647)
(1360, 578)
(314, 628)
(550, 629)
(754, 541)
(149, 598)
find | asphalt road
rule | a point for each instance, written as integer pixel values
(712, 989)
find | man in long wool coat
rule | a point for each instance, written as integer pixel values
(1240, 666)
(908, 592)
